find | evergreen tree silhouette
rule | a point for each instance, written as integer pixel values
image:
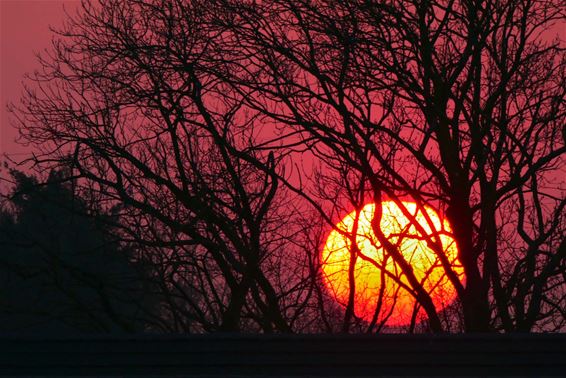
(61, 272)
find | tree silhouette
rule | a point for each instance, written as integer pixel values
(62, 271)
(456, 105)
(195, 116)
(147, 126)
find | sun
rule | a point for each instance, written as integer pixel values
(376, 274)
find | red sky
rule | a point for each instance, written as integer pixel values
(24, 30)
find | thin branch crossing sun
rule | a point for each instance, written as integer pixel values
(365, 276)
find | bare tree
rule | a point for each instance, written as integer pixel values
(187, 113)
(456, 104)
(127, 100)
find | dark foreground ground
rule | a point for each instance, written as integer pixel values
(287, 356)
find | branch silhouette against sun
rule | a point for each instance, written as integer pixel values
(245, 143)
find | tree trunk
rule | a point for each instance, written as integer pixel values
(475, 298)
(231, 317)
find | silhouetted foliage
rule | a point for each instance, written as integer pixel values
(61, 270)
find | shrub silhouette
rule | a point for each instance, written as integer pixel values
(61, 270)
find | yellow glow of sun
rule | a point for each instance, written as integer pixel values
(398, 304)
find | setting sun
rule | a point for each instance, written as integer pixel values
(375, 273)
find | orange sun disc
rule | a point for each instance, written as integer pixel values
(375, 272)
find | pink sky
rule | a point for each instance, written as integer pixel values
(24, 30)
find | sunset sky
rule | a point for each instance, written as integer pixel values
(24, 30)
(233, 139)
